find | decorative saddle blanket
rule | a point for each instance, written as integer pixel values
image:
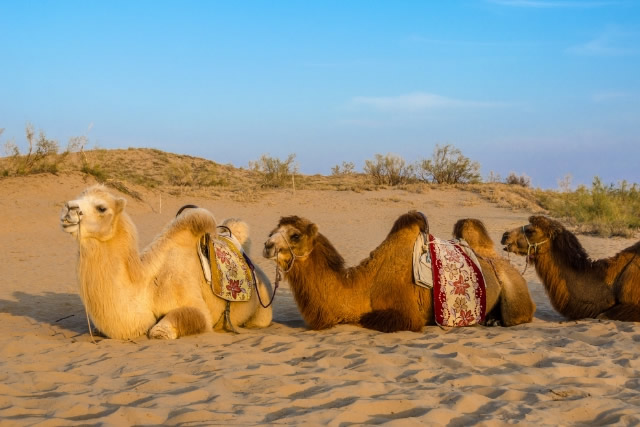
(451, 269)
(226, 267)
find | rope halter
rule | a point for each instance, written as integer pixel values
(529, 247)
(293, 254)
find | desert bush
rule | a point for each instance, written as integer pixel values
(494, 177)
(449, 166)
(347, 168)
(521, 180)
(564, 184)
(275, 172)
(95, 171)
(41, 156)
(180, 175)
(389, 169)
(603, 209)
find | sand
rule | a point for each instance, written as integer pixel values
(548, 372)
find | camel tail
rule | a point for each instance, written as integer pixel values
(389, 321)
(240, 231)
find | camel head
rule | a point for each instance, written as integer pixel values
(293, 238)
(94, 214)
(533, 238)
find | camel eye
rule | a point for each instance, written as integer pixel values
(295, 237)
(101, 208)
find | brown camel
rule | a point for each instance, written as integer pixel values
(379, 293)
(578, 286)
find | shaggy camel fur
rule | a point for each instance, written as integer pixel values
(378, 294)
(161, 291)
(578, 286)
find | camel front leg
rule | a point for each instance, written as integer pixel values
(178, 323)
(398, 308)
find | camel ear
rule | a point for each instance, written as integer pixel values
(548, 226)
(312, 230)
(120, 204)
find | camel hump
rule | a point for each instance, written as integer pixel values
(476, 235)
(410, 219)
(240, 231)
(198, 220)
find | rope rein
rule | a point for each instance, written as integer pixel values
(530, 245)
(86, 312)
(275, 285)
(279, 271)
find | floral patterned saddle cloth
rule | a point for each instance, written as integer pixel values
(451, 269)
(226, 267)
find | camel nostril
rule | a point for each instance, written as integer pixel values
(268, 245)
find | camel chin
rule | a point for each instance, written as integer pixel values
(70, 228)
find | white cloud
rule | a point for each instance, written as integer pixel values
(418, 101)
(608, 96)
(610, 43)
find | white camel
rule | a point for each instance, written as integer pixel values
(161, 291)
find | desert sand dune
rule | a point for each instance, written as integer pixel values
(547, 372)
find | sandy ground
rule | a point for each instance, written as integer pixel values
(548, 372)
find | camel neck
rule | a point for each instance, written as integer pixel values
(573, 292)
(110, 279)
(325, 295)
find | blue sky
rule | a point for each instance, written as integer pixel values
(535, 87)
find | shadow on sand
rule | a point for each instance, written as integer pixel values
(61, 310)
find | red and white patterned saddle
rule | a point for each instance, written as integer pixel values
(451, 270)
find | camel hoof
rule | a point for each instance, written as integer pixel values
(163, 332)
(492, 322)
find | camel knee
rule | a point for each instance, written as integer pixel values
(514, 312)
(179, 322)
(261, 318)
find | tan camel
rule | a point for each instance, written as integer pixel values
(161, 291)
(379, 293)
(579, 287)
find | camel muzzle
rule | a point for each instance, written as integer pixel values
(269, 250)
(71, 215)
(505, 238)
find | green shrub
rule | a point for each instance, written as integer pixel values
(95, 171)
(602, 209)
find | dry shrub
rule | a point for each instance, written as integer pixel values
(275, 172)
(449, 166)
(389, 169)
(521, 180)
